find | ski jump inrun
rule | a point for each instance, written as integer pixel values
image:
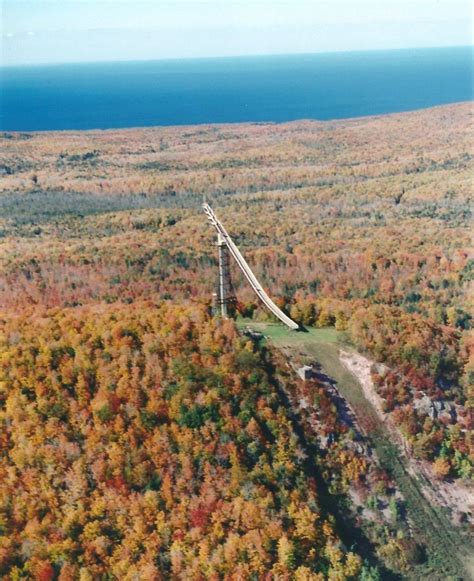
(225, 241)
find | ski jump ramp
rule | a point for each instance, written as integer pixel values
(245, 268)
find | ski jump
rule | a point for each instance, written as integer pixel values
(226, 242)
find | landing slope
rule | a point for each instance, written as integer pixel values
(449, 549)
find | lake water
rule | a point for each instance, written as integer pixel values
(263, 88)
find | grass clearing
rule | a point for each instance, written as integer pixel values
(282, 336)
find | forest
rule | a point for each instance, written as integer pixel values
(149, 440)
(144, 438)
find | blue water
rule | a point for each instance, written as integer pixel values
(271, 88)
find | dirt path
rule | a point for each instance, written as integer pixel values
(360, 366)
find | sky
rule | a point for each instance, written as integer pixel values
(61, 31)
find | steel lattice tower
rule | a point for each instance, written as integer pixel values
(225, 296)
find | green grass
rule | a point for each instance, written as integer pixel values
(446, 547)
(280, 335)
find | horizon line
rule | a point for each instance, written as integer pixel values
(242, 56)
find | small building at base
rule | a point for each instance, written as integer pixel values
(305, 372)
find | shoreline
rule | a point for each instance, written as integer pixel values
(6, 133)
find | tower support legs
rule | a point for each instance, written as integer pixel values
(225, 293)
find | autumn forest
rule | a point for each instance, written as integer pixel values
(144, 438)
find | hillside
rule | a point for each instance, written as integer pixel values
(112, 369)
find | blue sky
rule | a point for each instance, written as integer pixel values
(47, 31)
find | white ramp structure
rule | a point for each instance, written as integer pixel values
(225, 239)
